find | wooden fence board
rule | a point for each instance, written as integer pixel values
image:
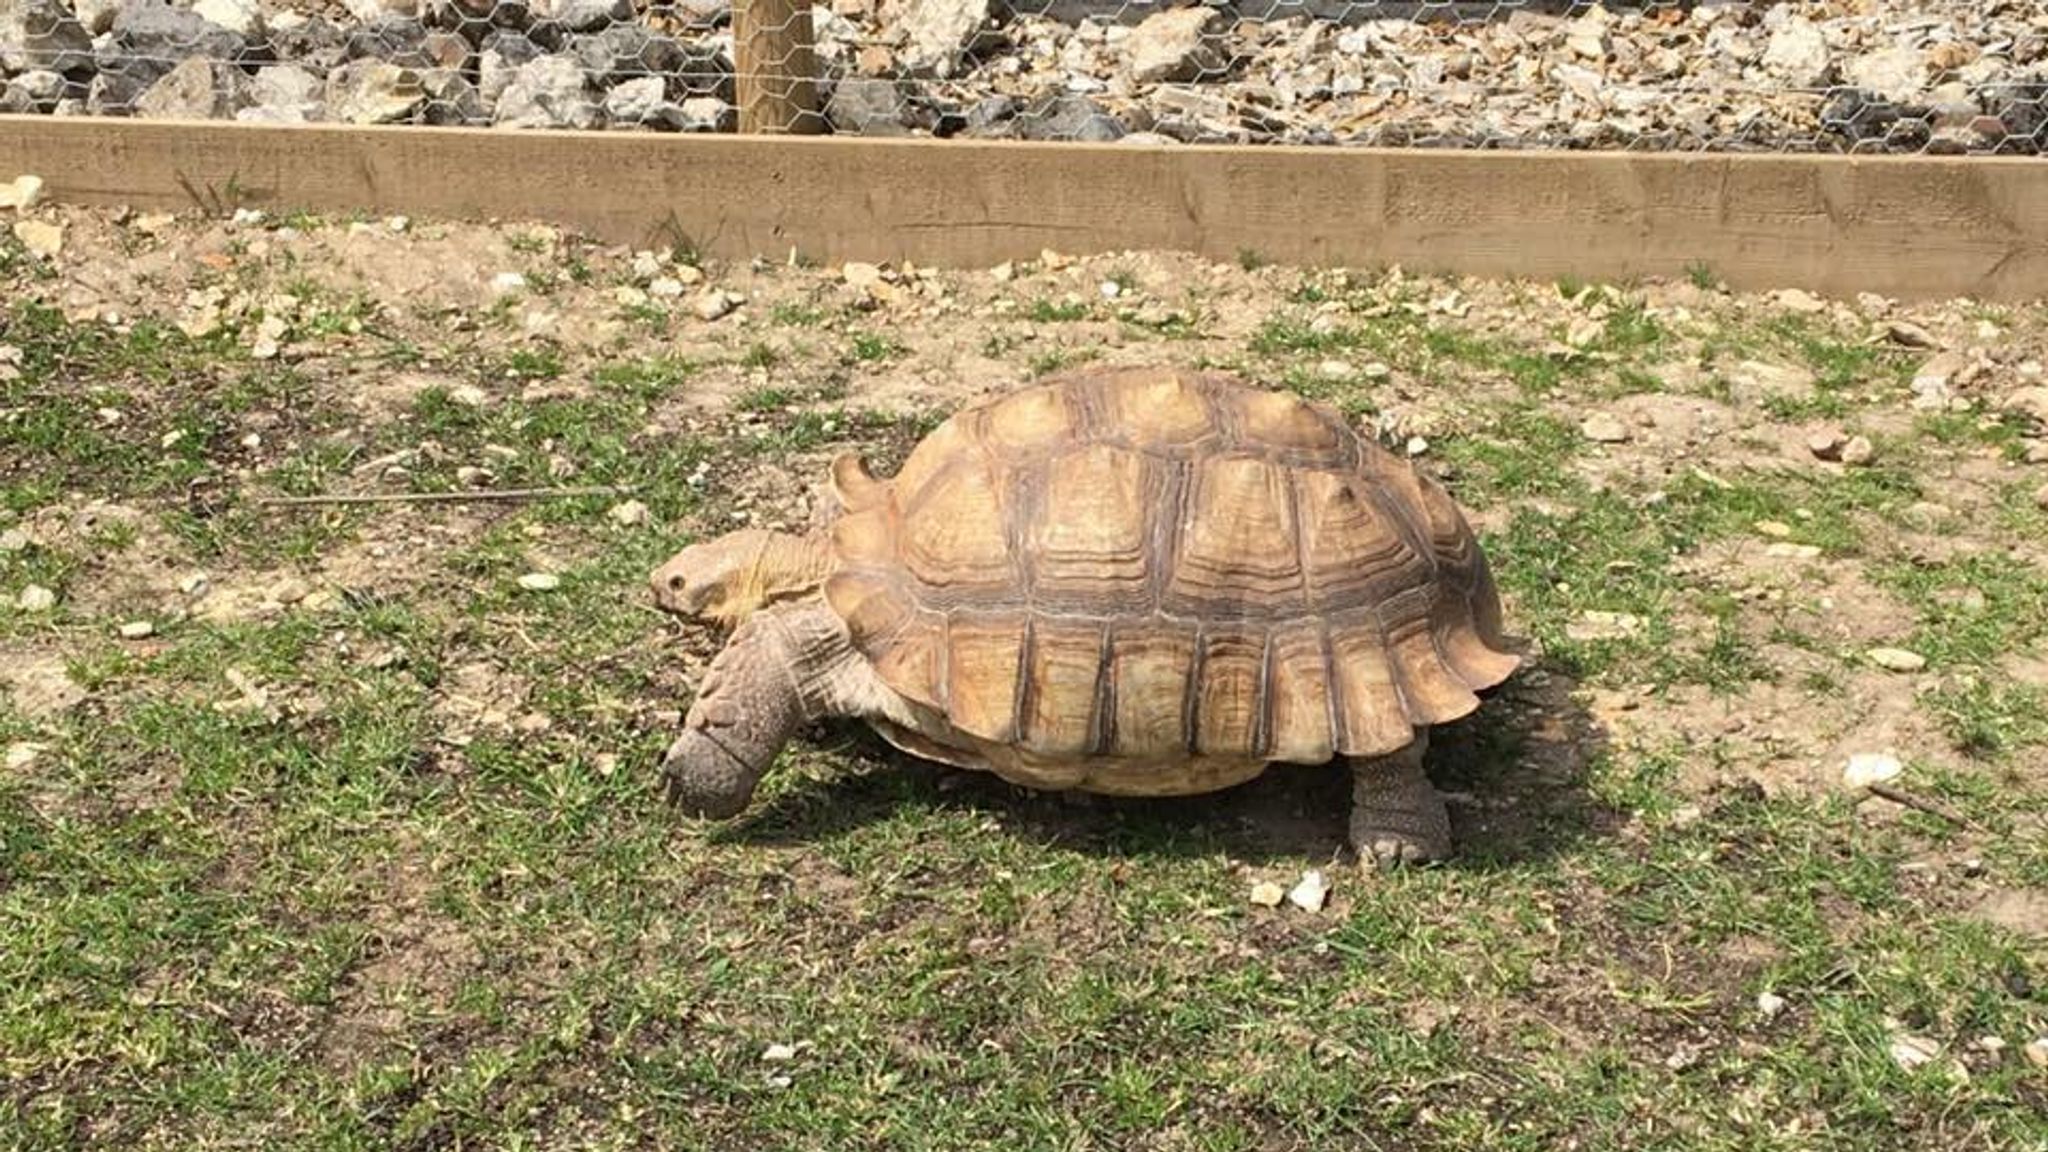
(1909, 227)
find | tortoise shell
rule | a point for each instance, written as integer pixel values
(1153, 570)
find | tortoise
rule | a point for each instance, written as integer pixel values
(1136, 581)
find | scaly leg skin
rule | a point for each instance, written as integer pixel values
(1397, 816)
(782, 668)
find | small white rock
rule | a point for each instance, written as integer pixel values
(629, 513)
(1897, 659)
(20, 756)
(137, 629)
(2037, 1051)
(1913, 1052)
(469, 395)
(1267, 894)
(1867, 768)
(506, 283)
(22, 194)
(715, 305)
(1769, 1004)
(40, 238)
(540, 581)
(1309, 893)
(778, 1054)
(36, 598)
(1604, 428)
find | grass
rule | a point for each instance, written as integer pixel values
(388, 869)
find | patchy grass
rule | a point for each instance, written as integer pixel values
(382, 864)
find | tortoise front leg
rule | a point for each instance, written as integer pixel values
(1397, 816)
(755, 695)
(783, 667)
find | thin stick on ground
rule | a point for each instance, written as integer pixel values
(1922, 804)
(493, 494)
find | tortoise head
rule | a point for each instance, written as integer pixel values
(727, 579)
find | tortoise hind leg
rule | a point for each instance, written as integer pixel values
(1397, 816)
(783, 667)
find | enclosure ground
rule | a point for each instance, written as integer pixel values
(331, 825)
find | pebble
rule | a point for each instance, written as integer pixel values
(715, 305)
(21, 756)
(1897, 659)
(40, 237)
(1769, 1004)
(540, 581)
(2037, 1051)
(1597, 625)
(1604, 428)
(1309, 893)
(1914, 1052)
(137, 630)
(630, 513)
(778, 1053)
(1267, 894)
(36, 598)
(1826, 444)
(1858, 450)
(1909, 335)
(2037, 453)
(1867, 768)
(21, 193)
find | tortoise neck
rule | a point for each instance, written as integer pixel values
(791, 567)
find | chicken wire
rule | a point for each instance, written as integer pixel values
(1829, 76)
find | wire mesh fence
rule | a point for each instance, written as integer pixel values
(1891, 76)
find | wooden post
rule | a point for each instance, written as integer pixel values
(776, 71)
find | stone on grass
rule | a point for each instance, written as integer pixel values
(36, 598)
(1897, 659)
(1867, 768)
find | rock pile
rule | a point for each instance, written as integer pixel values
(1961, 76)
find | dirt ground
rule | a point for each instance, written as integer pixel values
(349, 806)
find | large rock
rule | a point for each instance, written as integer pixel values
(158, 32)
(938, 36)
(1176, 45)
(499, 60)
(400, 40)
(551, 92)
(284, 94)
(374, 92)
(35, 92)
(1898, 74)
(865, 107)
(1067, 117)
(43, 36)
(626, 52)
(242, 17)
(582, 15)
(1797, 52)
(639, 101)
(451, 100)
(195, 90)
